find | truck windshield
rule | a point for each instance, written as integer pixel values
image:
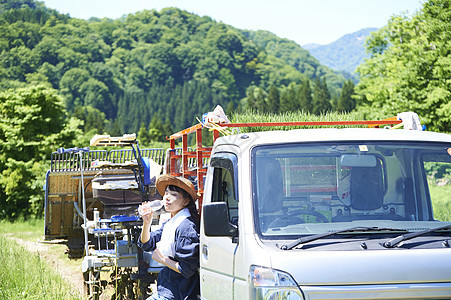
(303, 189)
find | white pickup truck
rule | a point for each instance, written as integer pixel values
(325, 214)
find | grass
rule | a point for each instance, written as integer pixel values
(15, 285)
(24, 229)
(441, 200)
(26, 275)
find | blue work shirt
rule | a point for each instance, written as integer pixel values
(183, 285)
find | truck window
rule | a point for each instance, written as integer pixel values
(224, 186)
(307, 188)
(437, 170)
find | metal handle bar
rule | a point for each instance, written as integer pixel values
(72, 150)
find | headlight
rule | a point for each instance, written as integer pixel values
(269, 284)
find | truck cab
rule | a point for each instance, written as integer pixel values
(327, 214)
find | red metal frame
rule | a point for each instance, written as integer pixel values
(204, 152)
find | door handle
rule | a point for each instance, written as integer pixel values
(205, 251)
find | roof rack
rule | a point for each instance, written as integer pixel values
(200, 153)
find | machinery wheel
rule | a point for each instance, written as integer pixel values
(75, 243)
(92, 284)
(125, 288)
(143, 290)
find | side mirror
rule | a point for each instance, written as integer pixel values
(216, 220)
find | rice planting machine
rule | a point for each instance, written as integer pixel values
(91, 201)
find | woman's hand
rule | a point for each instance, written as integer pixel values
(147, 222)
(148, 216)
(159, 257)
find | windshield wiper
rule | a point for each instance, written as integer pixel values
(395, 241)
(314, 237)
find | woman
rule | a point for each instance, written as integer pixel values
(176, 243)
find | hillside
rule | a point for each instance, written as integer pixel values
(295, 56)
(344, 54)
(169, 65)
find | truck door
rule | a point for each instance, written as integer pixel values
(217, 259)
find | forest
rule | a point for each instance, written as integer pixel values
(125, 72)
(63, 79)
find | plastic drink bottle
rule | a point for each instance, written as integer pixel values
(148, 207)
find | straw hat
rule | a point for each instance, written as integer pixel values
(164, 180)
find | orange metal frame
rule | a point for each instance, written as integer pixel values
(204, 152)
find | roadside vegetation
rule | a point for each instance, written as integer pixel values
(26, 275)
(440, 200)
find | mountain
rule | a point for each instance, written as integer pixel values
(170, 64)
(344, 54)
(295, 56)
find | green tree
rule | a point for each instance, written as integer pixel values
(70, 86)
(156, 129)
(230, 108)
(18, 61)
(167, 130)
(251, 99)
(321, 98)
(33, 124)
(410, 67)
(96, 94)
(143, 135)
(289, 100)
(305, 97)
(93, 119)
(346, 102)
(260, 100)
(273, 99)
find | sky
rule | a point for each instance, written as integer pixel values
(303, 21)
